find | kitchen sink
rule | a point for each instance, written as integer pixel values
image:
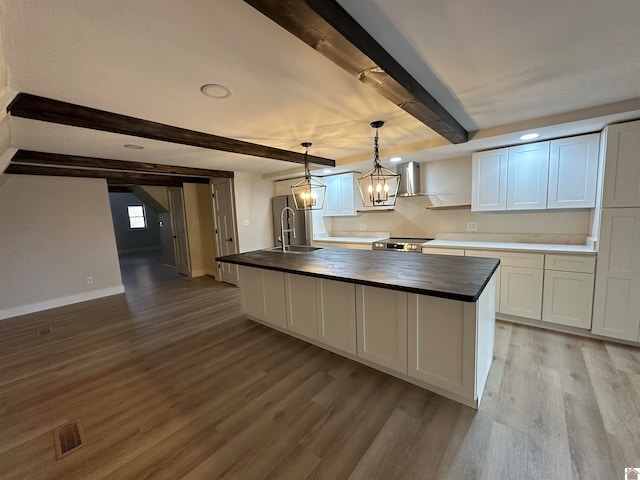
(295, 249)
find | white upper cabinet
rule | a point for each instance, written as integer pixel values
(622, 167)
(528, 170)
(573, 172)
(560, 173)
(489, 186)
(342, 195)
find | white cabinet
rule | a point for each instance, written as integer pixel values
(302, 308)
(263, 295)
(489, 254)
(528, 170)
(358, 246)
(616, 308)
(382, 326)
(283, 187)
(521, 292)
(342, 195)
(337, 315)
(543, 175)
(489, 186)
(442, 251)
(568, 290)
(573, 172)
(622, 166)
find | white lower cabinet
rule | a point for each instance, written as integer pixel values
(263, 294)
(568, 297)
(358, 246)
(337, 315)
(568, 290)
(443, 251)
(521, 291)
(489, 254)
(382, 326)
(302, 311)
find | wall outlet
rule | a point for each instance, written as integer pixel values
(472, 226)
(363, 226)
(245, 222)
(89, 279)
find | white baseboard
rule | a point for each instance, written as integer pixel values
(60, 302)
(198, 273)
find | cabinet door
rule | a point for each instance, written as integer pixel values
(573, 172)
(567, 298)
(521, 291)
(528, 174)
(616, 306)
(337, 315)
(622, 165)
(263, 295)
(489, 254)
(382, 326)
(274, 298)
(489, 180)
(301, 305)
(340, 199)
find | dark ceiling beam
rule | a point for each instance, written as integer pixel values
(44, 109)
(61, 160)
(120, 189)
(112, 177)
(329, 29)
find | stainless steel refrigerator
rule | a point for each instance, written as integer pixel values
(291, 220)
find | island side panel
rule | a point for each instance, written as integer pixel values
(486, 315)
(442, 344)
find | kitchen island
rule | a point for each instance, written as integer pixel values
(427, 319)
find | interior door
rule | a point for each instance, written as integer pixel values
(225, 228)
(178, 223)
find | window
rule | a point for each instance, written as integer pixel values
(137, 218)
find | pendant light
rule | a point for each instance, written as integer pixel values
(379, 186)
(308, 193)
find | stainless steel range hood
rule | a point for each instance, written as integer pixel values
(409, 179)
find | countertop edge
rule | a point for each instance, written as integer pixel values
(514, 247)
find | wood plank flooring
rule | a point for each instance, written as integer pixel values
(171, 382)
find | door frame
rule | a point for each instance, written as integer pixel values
(175, 232)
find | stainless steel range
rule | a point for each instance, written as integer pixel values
(412, 245)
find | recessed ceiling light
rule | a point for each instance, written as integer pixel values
(529, 136)
(133, 146)
(395, 159)
(215, 90)
(327, 170)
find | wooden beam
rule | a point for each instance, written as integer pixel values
(61, 160)
(329, 29)
(34, 107)
(112, 177)
(120, 189)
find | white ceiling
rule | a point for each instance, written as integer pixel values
(500, 67)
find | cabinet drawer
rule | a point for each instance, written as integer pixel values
(570, 263)
(511, 259)
(358, 246)
(442, 251)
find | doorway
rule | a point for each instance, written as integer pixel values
(226, 233)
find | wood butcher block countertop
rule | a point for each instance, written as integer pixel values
(453, 277)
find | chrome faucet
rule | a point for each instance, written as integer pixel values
(282, 229)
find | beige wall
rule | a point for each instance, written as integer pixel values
(253, 203)
(197, 205)
(450, 180)
(55, 233)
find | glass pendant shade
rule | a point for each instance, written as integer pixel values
(379, 186)
(308, 193)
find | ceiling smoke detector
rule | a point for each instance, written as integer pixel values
(215, 90)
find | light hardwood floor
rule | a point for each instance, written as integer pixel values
(171, 382)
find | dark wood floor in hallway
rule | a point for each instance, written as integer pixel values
(170, 381)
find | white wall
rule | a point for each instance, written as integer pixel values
(253, 203)
(55, 233)
(451, 180)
